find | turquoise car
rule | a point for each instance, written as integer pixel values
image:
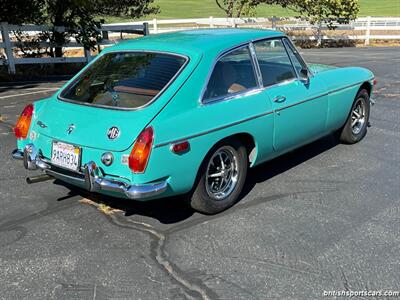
(188, 113)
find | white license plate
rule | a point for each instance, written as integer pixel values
(66, 156)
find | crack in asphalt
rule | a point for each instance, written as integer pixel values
(159, 237)
(157, 250)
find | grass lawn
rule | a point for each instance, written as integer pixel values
(181, 9)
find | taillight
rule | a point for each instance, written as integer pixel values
(141, 151)
(21, 129)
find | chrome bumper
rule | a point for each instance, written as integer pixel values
(372, 100)
(91, 179)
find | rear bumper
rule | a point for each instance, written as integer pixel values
(91, 178)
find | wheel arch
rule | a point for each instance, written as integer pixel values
(245, 138)
(367, 86)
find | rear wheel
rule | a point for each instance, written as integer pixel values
(357, 122)
(222, 176)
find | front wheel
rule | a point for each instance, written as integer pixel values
(222, 176)
(357, 122)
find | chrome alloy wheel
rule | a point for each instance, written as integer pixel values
(222, 173)
(358, 116)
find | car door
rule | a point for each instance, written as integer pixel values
(300, 106)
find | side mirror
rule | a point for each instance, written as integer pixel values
(304, 76)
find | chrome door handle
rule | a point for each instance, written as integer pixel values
(280, 99)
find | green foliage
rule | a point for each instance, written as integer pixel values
(316, 11)
(329, 11)
(235, 8)
(19, 11)
(78, 17)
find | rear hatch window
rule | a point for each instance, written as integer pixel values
(124, 79)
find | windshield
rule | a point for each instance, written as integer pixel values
(125, 79)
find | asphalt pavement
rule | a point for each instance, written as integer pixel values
(324, 217)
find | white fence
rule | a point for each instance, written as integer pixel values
(360, 29)
(9, 44)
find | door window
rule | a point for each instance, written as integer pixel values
(275, 65)
(232, 74)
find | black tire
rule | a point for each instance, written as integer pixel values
(204, 198)
(350, 133)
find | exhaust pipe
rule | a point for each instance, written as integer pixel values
(39, 178)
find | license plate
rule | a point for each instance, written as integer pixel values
(66, 156)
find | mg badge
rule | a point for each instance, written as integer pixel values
(71, 128)
(113, 133)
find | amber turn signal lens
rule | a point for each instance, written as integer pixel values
(21, 129)
(141, 151)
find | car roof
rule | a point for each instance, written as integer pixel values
(194, 42)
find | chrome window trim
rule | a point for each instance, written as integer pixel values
(187, 60)
(287, 54)
(256, 64)
(297, 54)
(241, 45)
(290, 59)
(244, 93)
(234, 95)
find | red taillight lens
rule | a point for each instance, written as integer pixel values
(141, 151)
(21, 129)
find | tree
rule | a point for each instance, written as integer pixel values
(80, 18)
(328, 11)
(19, 11)
(316, 11)
(235, 8)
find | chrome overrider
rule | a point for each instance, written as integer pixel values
(92, 180)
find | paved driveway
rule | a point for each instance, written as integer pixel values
(324, 217)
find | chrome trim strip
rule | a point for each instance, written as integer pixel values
(213, 130)
(319, 96)
(346, 87)
(300, 102)
(260, 115)
(187, 60)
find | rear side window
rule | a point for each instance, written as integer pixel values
(125, 79)
(274, 62)
(232, 74)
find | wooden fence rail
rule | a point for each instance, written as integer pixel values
(9, 45)
(365, 25)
